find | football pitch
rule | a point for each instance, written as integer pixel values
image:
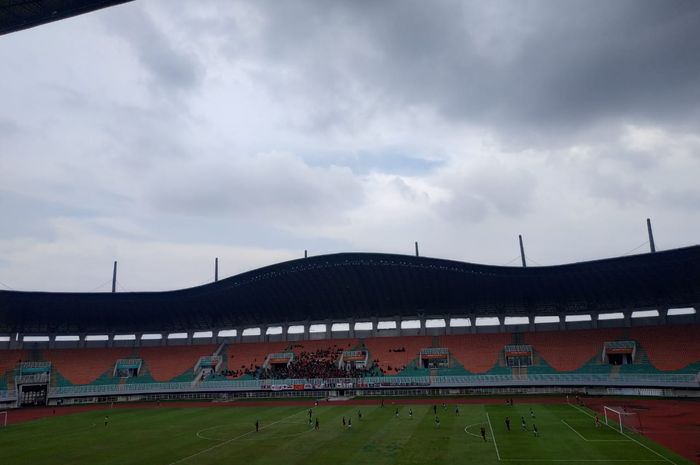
(171, 435)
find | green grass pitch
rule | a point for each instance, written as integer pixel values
(172, 435)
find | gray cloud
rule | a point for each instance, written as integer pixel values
(171, 66)
(278, 187)
(260, 128)
(536, 68)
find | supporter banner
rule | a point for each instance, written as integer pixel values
(283, 387)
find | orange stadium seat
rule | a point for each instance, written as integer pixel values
(669, 347)
(248, 355)
(389, 353)
(8, 361)
(570, 350)
(165, 363)
(477, 353)
(83, 366)
(323, 344)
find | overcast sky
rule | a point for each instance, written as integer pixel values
(163, 136)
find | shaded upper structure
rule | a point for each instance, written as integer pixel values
(365, 285)
(16, 15)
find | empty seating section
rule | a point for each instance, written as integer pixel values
(84, 366)
(8, 360)
(245, 358)
(477, 353)
(669, 347)
(394, 353)
(166, 363)
(570, 350)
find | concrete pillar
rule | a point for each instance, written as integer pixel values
(627, 320)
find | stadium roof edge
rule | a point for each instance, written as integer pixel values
(19, 15)
(365, 285)
(485, 267)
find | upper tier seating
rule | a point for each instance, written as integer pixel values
(669, 347)
(246, 357)
(394, 353)
(477, 353)
(311, 346)
(168, 362)
(570, 350)
(84, 366)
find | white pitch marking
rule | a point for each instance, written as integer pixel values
(625, 435)
(593, 440)
(582, 460)
(215, 446)
(469, 426)
(498, 454)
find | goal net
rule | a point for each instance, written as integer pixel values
(619, 419)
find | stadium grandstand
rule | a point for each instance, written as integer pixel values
(364, 324)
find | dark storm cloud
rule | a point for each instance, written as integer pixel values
(537, 68)
(171, 67)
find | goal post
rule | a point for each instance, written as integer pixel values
(3, 419)
(619, 419)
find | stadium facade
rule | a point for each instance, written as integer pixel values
(368, 307)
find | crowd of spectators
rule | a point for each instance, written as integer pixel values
(321, 363)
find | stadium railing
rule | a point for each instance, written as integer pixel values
(574, 379)
(8, 395)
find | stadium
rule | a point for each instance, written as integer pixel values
(357, 358)
(353, 329)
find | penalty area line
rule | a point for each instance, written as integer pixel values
(628, 437)
(593, 440)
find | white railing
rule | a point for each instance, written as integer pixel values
(635, 380)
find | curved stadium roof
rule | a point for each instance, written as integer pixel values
(362, 285)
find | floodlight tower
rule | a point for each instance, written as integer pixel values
(651, 236)
(522, 251)
(114, 277)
